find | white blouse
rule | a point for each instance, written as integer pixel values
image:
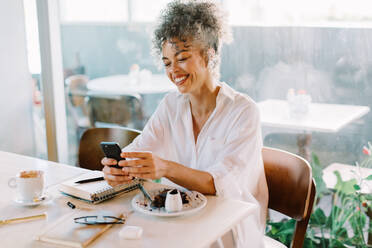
(228, 147)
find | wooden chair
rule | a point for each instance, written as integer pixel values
(291, 189)
(90, 154)
(77, 89)
(77, 106)
(116, 110)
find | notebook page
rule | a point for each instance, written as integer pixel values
(85, 190)
(97, 191)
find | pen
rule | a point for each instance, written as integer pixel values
(73, 206)
(91, 180)
(43, 215)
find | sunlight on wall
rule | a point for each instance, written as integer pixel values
(32, 36)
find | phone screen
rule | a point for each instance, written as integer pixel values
(112, 150)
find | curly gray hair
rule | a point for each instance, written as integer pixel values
(201, 21)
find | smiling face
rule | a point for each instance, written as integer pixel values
(185, 65)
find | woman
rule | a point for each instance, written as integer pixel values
(205, 137)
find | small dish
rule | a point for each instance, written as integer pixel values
(173, 201)
(42, 200)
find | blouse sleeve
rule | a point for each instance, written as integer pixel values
(239, 167)
(238, 172)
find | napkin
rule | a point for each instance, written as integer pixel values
(131, 232)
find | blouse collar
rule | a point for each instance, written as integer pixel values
(225, 93)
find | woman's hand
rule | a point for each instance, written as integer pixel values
(112, 175)
(143, 165)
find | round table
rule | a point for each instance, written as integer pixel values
(124, 84)
(152, 88)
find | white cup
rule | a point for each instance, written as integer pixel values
(173, 201)
(29, 185)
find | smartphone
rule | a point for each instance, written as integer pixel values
(112, 150)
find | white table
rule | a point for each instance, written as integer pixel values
(151, 90)
(123, 84)
(329, 118)
(198, 230)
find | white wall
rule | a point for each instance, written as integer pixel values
(16, 125)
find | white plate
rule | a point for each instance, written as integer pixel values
(197, 201)
(44, 199)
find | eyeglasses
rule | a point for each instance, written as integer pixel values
(98, 219)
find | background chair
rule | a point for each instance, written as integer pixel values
(120, 110)
(76, 89)
(291, 190)
(90, 154)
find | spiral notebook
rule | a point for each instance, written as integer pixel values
(95, 192)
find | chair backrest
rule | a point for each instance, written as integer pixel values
(77, 88)
(121, 110)
(291, 188)
(90, 154)
(77, 105)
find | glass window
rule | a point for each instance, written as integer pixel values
(307, 46)
(146, 11)
(290, 12)
(93, 11)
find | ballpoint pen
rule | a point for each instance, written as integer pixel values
(91, 180)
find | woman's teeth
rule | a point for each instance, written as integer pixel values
(180, 79)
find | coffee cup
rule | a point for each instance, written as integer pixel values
(29, 185)
(173, 201)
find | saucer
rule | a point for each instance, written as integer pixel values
(42, 200)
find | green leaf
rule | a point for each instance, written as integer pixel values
(344, 187)
(333, 216)
(318, 217)
(311, 243)
(356, 241)
(341, 233)
(368, 178)
(281, 231)
(358, 222)
(337, 244)
(368, 197)
(315, 159)
(356, 187)
(317, 171)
